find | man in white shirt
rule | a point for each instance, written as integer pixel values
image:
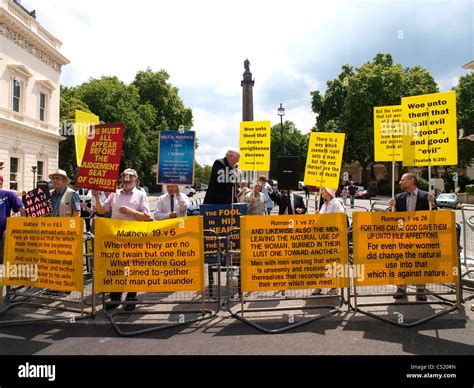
(127, 203)
(173, 204)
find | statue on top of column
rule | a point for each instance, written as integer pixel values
(247, 65)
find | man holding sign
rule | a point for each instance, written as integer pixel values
(412, 199)
(127, 203)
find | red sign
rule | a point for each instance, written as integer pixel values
(101, 162)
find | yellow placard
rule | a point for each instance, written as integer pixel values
(255, 139)
(162, 256)
(323, 164)
(81, 132)
(45, 253)
(431, 138)
(292, 253)
(405, 248)
(388, 135)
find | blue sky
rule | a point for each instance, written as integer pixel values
(293, 47)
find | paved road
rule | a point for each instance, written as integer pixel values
(344, 334)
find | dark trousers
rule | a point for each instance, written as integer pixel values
(117, 296)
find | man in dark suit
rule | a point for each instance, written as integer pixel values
(222, 187)
(411, 199)
(288, 203)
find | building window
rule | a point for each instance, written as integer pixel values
(14, 173)
(39, 171)
(16, 95)
(42, 110)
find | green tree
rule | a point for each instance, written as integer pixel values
(294, 144)
(154, 89)
(202, 173)
(347, 105)
(465, 103)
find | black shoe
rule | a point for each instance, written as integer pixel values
(111, 305)
(131, 306)
(401, 293)
(421, 297)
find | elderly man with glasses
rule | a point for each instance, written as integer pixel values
(66, 202)
(127, 203)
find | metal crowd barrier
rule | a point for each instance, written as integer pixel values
(381, 305)
(197, 201)
(379, 206)
(263, 307)
(170, 309)
(467, 225)
(43, 304)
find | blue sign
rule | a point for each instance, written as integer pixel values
(176, 157)
(222, 219)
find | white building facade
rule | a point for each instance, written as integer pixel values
(30, 70)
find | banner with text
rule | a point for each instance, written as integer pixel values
(37, 203)
(176, 157)
(44, 253)
(161, 256)
(323, 164)
(101, 162)
(388, 135)
(288, 252)
(432, 138)
(405, 247)
(82, 131)
(255, 139)
(221, 219)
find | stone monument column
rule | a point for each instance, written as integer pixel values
(247, 93)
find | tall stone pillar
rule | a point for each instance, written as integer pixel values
(247, 93)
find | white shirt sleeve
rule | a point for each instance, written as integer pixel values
(145, 207)
(183, 204)
(109, 202)
(161, 212)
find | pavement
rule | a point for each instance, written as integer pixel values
(346, 333)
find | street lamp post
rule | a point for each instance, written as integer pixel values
(281, 113)
(33, 169)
